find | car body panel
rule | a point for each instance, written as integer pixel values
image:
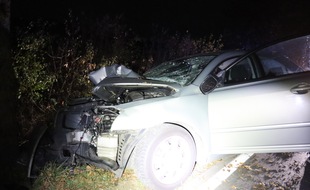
(260, 116)
(269, 112)
(172, 109)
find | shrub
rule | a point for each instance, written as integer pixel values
(50, 69)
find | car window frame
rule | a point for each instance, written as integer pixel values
(258, 66)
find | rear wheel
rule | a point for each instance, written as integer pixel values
(165, 157)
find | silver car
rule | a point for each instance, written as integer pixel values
(178, 113)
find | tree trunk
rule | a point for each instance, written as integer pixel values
(8, 127)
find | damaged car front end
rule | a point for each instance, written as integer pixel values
(133, 121)
(86, 127)
(82, 130)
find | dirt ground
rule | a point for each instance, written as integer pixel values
(305, 182)
(281, 171)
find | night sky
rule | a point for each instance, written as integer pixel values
(231, 18)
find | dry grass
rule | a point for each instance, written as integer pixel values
(85, 178)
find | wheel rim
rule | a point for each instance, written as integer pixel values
(172, 159)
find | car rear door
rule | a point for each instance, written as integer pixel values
(264, 103)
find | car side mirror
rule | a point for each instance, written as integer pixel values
(209, 84)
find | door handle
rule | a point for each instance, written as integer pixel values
(301, 88)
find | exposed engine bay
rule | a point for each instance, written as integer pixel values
(88, 123)
(120, 95)
(82, 130)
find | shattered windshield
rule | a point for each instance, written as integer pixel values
(182, 71)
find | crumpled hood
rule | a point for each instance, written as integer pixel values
(114, 89)
(114, 70)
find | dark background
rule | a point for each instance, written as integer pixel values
(243, 24)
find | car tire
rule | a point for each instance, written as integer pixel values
(165, 157)
(45, 154)
(40, 157)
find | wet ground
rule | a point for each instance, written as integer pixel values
(305, 182)
(281, 171)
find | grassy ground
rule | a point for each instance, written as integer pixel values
(85, 177)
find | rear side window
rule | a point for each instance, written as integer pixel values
(288, 57)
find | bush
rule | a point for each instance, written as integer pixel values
(50, 69)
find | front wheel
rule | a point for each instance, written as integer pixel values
(165, 157)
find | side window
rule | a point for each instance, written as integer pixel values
(288, 57)
(273, 68)
(241, 72)
(284, 58)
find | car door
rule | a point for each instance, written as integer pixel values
(263, 104)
